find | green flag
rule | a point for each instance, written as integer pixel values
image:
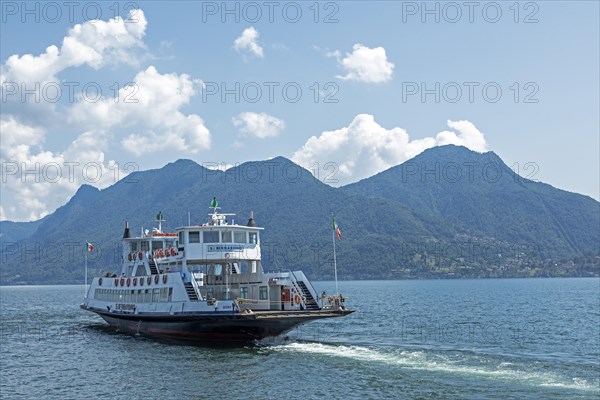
(214, 203)
(159, 216)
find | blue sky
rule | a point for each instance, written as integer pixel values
(361, 68)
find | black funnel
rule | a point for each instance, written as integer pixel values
(126, 233)
(251, 219)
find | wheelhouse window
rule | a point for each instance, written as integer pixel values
(194, 237)
(253, 237)
(210, 236)
(134, 246)
(239, 237)
(226, 237)
(181, 237)
(244, 292)
(145, 245)
(157, 244)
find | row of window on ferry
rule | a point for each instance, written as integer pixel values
(156, 295)
(214, 237)
(156, 245)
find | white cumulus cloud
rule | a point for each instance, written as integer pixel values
(260, 125)
(247, 42)
(92, 43)
(365, 148)
(365, 64)
(152, 108)
(36, 181)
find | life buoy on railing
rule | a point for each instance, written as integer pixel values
(142, 281)
(156, 279)
(116, 281)
(122, 281)
(161, 253)
(129, 257)
(135, 281)
(298, 298)
(140, 255)
(165, 278)
(149, 280)
(173, 252)
(128, 281)
(100, 282)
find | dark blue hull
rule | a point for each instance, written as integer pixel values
(215, 328)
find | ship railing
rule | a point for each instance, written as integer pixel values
(309, 285)
(195, 286)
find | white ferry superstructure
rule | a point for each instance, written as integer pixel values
(205, 283)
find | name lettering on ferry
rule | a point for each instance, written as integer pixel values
(125, 307)
(228, 247)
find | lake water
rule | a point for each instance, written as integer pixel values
(468, 339)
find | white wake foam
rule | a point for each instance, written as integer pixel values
(420, 360)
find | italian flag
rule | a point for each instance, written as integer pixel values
(89, 246)
(336, 229)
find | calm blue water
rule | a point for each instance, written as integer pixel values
(473, 339)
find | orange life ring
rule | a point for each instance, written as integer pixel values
(100, 281)
(128, 281)
(142, 281)
(135, 281)
(140, 255)
(129, 257)
(156, 279)
(172, 251)
(149, 280)
(122, 281)
(165, 278)
(116, 281)
(298, 298)
(161, 253)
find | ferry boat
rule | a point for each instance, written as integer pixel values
(205, 283)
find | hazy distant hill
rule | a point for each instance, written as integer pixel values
(481, 194)
(12, 231)
(396, 224)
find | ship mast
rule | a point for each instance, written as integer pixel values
(160, 219)
(333, 233)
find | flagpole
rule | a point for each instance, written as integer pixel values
(85, 286)
(337, 292)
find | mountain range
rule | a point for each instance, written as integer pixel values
(448, 212)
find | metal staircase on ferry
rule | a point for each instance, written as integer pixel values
(309, 300)
(153, 269)
(191, 292)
